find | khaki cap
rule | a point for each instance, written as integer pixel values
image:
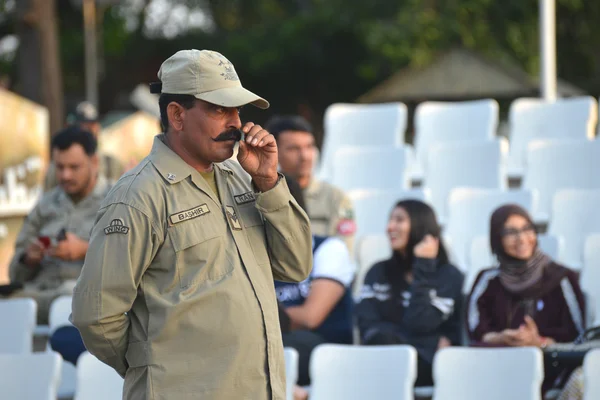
(206, 75)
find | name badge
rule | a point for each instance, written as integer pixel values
(245, 198)
(189, 214)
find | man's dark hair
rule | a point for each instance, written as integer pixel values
(187, 101)
(73, 134)
(282, 123)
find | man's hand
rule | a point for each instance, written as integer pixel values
(71, 249)
(34, 253)
(257, 154)
(427, 248)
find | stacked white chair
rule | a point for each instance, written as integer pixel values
(575, 215)
(32, 376)
(18, 318)
(533, 119)
(344, 372)
(481, 257)
(590, 277)
(370, 250)
(96, 380)
(492, 374)
(291, 371)
(556, 165)
(591, 372)
(372, 208)
(464, 164)
(60, 310)
(441, 122)
(469, 213)
(361, 125)
(381, 168)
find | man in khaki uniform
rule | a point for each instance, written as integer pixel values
(328, 207)
(47, 262)
(176, 293)
(86, 117)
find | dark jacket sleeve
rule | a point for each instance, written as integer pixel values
(572, 312)
(479, 306)
(453, 328)
(368, 309)
(434, 296)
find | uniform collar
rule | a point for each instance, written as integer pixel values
(313, 187)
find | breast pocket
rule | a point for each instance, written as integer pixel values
(199, 252)
(255, 229)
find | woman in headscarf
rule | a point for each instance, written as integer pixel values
(528, 300)
(414, 297)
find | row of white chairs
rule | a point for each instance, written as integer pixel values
(551, 166)
(342, 372)
(384, 125)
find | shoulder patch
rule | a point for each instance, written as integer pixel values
(189, 214)
(244, 198)
(116, 226)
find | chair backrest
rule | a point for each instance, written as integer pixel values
(575, 214)
(372, 208)
(591, 372)
(96, 380)
(464, 164)
(344, 372)
(32, 376)
(381, 168)
(437, 122)
(590, 275)
(18, 318)
(60, 310)
(532, 119)
(370, 250)
(361, 125)
(491, 374)
(481, 257)
(560, 164)
(291, 371)
(469, 212)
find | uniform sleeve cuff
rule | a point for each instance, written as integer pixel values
(275, 198)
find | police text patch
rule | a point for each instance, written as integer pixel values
(245, 198)
(116, 226)
(189, 214)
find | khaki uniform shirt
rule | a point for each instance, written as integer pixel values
(177, 291)
(55, 211)
(109, 166)
(330, 212)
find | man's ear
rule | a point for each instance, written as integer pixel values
(176, 114)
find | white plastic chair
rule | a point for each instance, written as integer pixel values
(590, 277)
(492, 374)
(556, 165)
(372, 208)
(575, 214)
(533, 119)
(29, 376)
(96, 380)
(291, 371)
(18, 318)
(361, 125)
(381, 168)
(591, 372)
(344, 372)
(469, 212)
(481, 257)
(439, 122)
(465, 164)
(370, 250)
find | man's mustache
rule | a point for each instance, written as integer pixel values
(234, 134)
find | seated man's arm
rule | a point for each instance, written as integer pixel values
(332, 274)
(28, 250)
(122, 246)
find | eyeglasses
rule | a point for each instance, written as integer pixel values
(513, 233)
